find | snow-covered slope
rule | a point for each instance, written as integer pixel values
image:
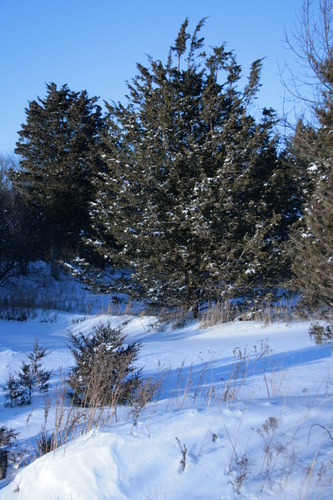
(240, 404)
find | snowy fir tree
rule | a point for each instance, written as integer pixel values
(31, 378)
(14, 392)
(59, 150)
(194, 190)
(312, 236)
(104, 373)
(41, 375)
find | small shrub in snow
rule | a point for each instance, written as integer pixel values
(104, 374)
(42, 377)
(321, 334)
(14, 391)
(242, 473)
(31, 378)
(44, 444)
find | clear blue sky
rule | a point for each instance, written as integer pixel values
(95, 45)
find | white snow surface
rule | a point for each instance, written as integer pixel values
(263, 441)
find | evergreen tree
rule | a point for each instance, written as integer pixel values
(59, 150)
(14, 391)
(31, 378)
(42, 376)
(104, 373)
(18, 240)
(194, 189)
(27, 381)
(312, 237)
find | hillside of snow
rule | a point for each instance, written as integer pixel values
(244, 411)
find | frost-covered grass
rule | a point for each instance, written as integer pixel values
(244, 411)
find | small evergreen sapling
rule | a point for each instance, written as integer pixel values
(14, 391)
(42, 377)
(104, 373)
(31, 378)
(27, 381)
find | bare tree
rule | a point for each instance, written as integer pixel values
(311, 42)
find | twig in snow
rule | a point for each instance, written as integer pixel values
(183, 449)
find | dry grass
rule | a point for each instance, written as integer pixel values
(65, 421)
(276, 467)
(188, 387)
(279, 464)
(224, 312)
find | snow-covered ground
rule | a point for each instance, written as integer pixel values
(249, 408)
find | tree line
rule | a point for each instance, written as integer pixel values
(183, 188)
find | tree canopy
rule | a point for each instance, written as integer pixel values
(59, 148)
(194, 189)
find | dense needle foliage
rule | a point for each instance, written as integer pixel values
(194, 191)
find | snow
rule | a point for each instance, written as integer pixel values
(258, 440)
(312, 168)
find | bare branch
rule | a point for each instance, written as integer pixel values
(311, 42)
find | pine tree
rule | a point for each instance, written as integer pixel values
(30, 379)
(104, 373)
(194, 190)
(27, 382)
(13, 390)
(41, 375)
(312, 236)
(18, 241)
(59, 150)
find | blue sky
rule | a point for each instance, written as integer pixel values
(95, 45)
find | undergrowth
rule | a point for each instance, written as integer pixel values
(197, 386)
(250, 375)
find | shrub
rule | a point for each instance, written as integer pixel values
(14, 392)
(321, 334)
(104, 373)
(31, 378)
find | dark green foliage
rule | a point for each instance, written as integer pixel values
(14, 392)
(312, 241)
(312, 237)
(27, 381)
(194, 191)
(42, 377)
(18, 236)
(104, 373)
(31, 378)
(59, 150)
